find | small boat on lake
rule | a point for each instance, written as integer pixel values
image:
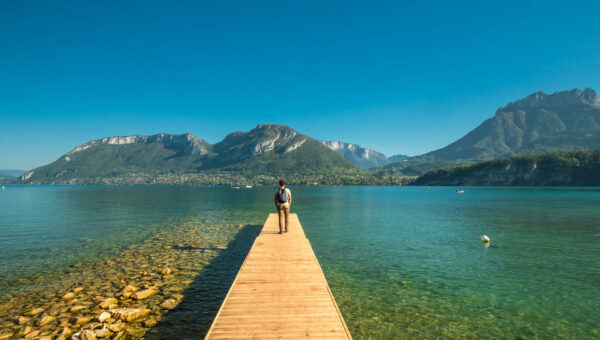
(248, 187)
(460, 191)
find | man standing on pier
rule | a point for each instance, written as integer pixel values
(283, 200)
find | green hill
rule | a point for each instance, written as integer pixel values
(581, 168)
(275, 149)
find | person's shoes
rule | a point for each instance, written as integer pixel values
(285, 231)
(280, 231)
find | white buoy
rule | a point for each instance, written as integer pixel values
(485, 239)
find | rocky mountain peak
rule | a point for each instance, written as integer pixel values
(263, 138)
(337, 145)
(188, 142)
(360, 156)
(556, 99)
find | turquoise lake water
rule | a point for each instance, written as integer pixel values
(402, 262)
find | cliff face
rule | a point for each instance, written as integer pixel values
(554, 169)
(187, 142)
(240, 145)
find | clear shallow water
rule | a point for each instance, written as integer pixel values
(403, 262)
(47, 229)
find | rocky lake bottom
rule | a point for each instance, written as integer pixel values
(134, 294)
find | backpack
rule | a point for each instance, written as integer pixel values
(282, 196)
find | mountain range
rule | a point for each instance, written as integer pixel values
(267, 149)
(536, 124)
(539, 123)
(12, 173)
(9, 175)
(362, 157)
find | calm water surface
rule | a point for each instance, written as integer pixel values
(403, 262)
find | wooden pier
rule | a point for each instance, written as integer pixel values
(279, 292)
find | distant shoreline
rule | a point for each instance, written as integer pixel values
(296, 185)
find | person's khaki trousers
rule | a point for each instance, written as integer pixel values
(284, 213)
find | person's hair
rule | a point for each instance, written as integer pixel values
(281, 182)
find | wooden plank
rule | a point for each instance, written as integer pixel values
(279, 292)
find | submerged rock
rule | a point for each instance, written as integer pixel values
(87, 335)
(165, 271)
(103, 316)
(22, 319)
(35, 311)
(79, 320)
(117, 326)
(150, 322)
(169, 304)
(129, 314)
(68, 296)
(46, 319)
(33, 334)
(65, 332)
(108, 302)
(119, 336)
(77, 308)
(144, 294)
(78, 289)
(127, 291)
(4, 336)
(93, 325)
(102, 332)
(25, 330)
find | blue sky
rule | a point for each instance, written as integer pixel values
(399, 77)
